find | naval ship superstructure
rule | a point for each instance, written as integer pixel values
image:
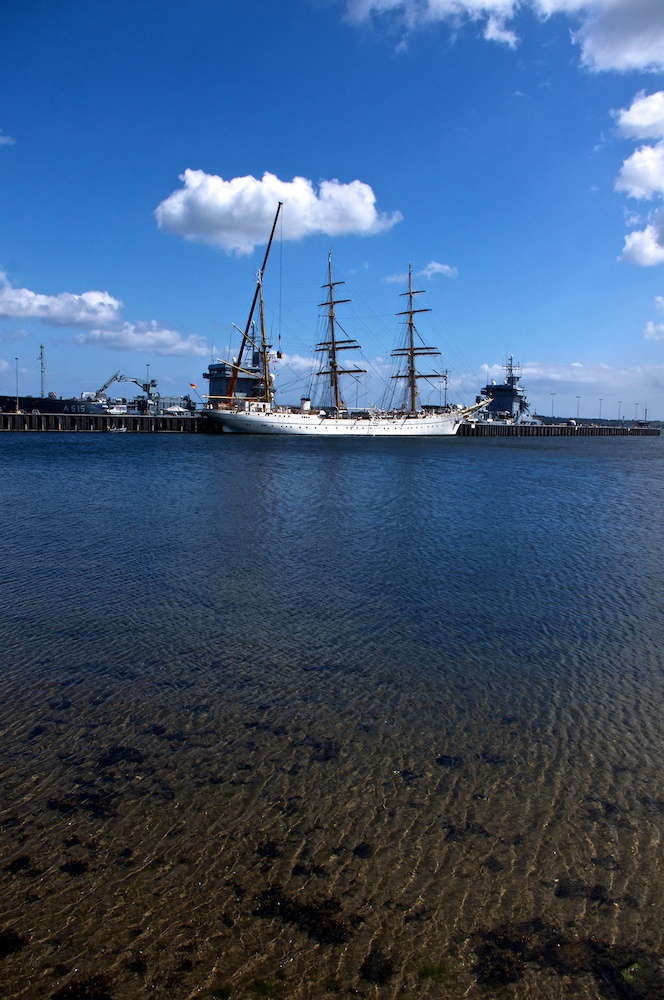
(507, 399)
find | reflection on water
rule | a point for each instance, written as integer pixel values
(294, 719)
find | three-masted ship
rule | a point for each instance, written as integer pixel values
(259, 414)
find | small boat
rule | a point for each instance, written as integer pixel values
(259, 414)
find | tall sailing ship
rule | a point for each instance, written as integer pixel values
(257, 413)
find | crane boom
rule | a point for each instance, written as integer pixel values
(230, 391)
(117, 377)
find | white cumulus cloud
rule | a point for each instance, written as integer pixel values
(642, 175)
(237, 214)
(145, 337)
(623, 35)
(644, 118)
(6, 140)
(65, 309)
(644, 246)
(620, 35)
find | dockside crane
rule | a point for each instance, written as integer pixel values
(145, 384)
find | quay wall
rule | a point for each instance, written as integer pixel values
(100, 422)
(553, 430)
(197, 423)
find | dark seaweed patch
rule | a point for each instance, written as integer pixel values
(74, 868)
(268, 849)
(137, 965)
(504, 953)
(325, 750)
(317, 918)
(363, 850)
(120, 755)
(655, 806)
(438, 972)
(569, 889)
(409, 777)
(377, 967)
(98, 803)
(20, 866)
(94, 988)
(492, 864)
(447, 760)
(10, 943)
(472, 829)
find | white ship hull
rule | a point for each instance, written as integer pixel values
(317, 425)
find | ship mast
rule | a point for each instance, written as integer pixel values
(411, 351)
(334, 344)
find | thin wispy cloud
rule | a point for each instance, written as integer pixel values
(432, 270)
(147, 338)
(98, 313)
(655, 331)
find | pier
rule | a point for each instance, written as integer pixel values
(197, 423)
(101, 422)
(479, 429)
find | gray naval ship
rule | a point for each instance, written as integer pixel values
(507, 400)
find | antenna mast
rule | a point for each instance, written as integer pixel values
(42, 365)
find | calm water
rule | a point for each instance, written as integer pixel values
(313, 719)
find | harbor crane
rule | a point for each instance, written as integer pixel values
(145, 385)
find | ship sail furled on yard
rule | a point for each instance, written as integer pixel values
(260, 415)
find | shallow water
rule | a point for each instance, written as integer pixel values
(303, 719)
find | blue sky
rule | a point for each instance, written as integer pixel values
(511, 150)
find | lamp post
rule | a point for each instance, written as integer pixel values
(636, 406)
(16, 360)
(553, 396)
(578, 400)
(619, 405)
(600, 408)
